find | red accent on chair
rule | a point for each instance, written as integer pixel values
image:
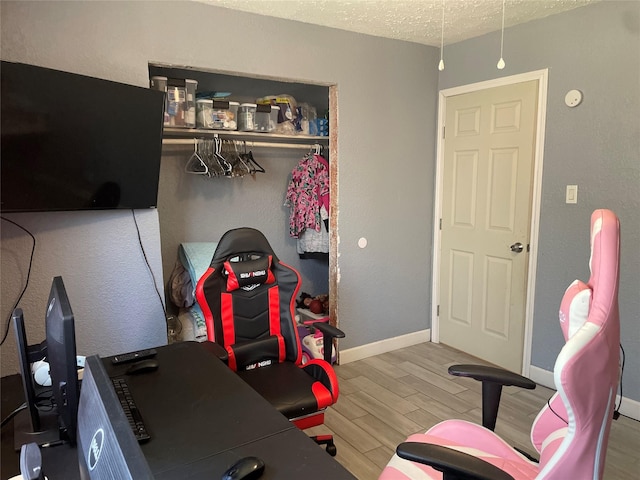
(310, 422)
(231, 359)
(228, 325)
(211, 334)
(270, 277)
(274, 318)
(318, 369)
(323, 395)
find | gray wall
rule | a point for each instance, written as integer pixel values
(387, 103)
(193, 208)
(111, 290)
(596, 146)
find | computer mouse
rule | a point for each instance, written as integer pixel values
(247, 468)
(143, 366)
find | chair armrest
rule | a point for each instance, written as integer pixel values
(492, 374)
(493, 379)
(329, 332)
(217, 350)
(453, 464)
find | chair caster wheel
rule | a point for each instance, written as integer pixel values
(332, 450)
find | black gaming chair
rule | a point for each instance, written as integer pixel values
(248, 299)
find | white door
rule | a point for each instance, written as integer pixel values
(489, 149)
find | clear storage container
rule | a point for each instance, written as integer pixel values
(176, 104)
(180, 103)
(266, 118)
(216, 114)
(190, 108)
(247, 117)
(160, 83)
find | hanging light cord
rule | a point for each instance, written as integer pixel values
(502, 34)
(442, 32)
(501, 61)
(441, 64)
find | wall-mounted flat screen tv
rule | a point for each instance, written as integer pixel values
(73, 142)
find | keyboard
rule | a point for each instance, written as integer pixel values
(130, 409)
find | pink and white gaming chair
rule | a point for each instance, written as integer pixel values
(571, 432)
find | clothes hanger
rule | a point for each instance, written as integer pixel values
(245, 158)
(258, 167)
(230, 151)
(245, 165)
(224, 164)
(196, 165)
(215, 169)
(248, 157)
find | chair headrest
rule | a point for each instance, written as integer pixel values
(240, 241)
(604, 264)
(594, 301)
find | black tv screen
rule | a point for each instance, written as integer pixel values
(72, 142)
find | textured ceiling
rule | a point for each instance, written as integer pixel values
(418, 21)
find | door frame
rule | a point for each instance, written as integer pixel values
(542, 77)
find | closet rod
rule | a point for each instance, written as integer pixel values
(250, 144)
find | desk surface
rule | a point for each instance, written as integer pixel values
(202, 418)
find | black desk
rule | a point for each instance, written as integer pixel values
(202, 418)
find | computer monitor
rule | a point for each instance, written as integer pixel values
(59, 350)
(107, 448)
(31, 425)
(61, 354)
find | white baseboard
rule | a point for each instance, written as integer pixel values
(384, 346)
(629, 408)
(542, 377)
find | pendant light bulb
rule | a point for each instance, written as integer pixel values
(501, 63)
(441, 64)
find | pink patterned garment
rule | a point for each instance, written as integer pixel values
(309, 183)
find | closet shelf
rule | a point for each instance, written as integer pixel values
(172, 132)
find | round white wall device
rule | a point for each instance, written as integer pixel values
(573, 98)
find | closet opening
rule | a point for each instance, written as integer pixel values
(195, 209)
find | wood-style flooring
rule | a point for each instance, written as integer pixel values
(385, 398)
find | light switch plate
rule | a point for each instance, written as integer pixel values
(572, 194)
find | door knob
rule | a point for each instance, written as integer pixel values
(517, 247)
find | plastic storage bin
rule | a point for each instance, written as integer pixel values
(190, 108)
(216, 114)
(247, 117)
(266, 118)
(160, 83)
(180, 103)
(176, 105)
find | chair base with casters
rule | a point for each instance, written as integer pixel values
(248, 298)
(295, 403)
(571, 432)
